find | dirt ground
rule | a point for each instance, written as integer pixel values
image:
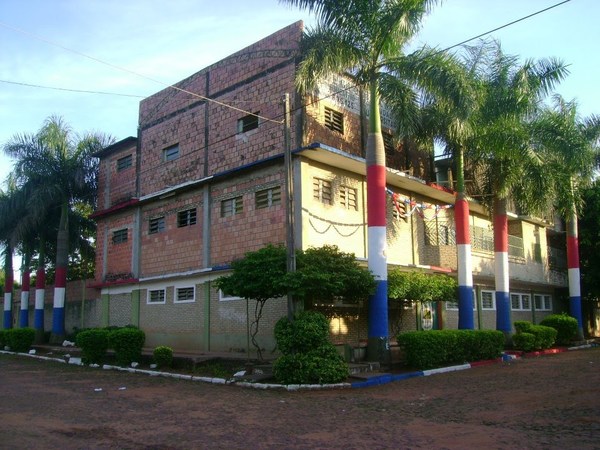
(547, 402)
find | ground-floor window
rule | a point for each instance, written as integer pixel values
(543, 302)
(520, 302)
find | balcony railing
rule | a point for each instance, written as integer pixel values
(557, 259)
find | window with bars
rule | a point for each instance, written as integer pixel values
(322, 190)
(488, 300)
(520, 302)
(185, 295)
(124, 163)
(348, 198)
(334, 120)
(156, 225)
(232, 206)
(171, 153)
(119, 236)
(186, 218)
(268, 197)
(156, 296)
(543, 302)
(247, 123)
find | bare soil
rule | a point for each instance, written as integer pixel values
(546, 402)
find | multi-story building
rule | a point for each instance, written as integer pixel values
(203, 183)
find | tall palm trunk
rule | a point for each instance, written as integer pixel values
(40, 291)
(463, 244)
(60, 282)
(503, 314)
(8, 286)
(378, 337)
(573, 270)
(25, 284)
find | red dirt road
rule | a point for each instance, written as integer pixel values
(550, 402)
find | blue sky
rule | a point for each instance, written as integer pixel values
(170, 40)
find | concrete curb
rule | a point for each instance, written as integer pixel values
(373, 381)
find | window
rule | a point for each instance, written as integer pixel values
(348, 198)
(322, 190)
(156, 296)
(453, 306)
(171, 153)
(247, 123)
(186, 218)
(520, 302)
(124, 162)
(268, 197)
(156, 225)
(184, 295)
(488, 300)
(232, 206)
(226, 298)
(543, 302)
(334, 120)
(119, 236)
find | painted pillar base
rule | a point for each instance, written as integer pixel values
(378, 349)
(23, 318)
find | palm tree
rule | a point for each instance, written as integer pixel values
(366, 39)
(59, 166)
(570, 146)
(512, 167)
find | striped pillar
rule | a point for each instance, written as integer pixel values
(24, 312)
(40, 285)
(574, 275)
(465, 270)
(376, 236)
(58, 312)
(503, 320)
(8, 288)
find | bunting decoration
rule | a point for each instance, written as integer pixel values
(406, 207)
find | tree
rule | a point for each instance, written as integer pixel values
(570, 146)
(322, 274)
(406, 288)
(589, 244)
(59, 166)
(510, 163)
(366, 39)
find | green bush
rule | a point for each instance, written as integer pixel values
(524, 341)
(437, 348)
(309, 330)
(20, 339)
(320, 366)
(163, 356)
(93, 344)
(523, 326)
(565, 325)
(545, 337)
(308, 356)
(127, 343)
(3, 339)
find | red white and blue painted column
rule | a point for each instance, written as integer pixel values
(58, 312)
(24, 311)
(40, 286)
(8, 292)
(378, 336)
(503, 316)
(574, 274)
(465, 267)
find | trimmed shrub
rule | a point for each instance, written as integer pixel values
(127, 343)
(94, 344)
(523, 326)
(163, 356)
(565, 325)
(308, 356)
(437, 348)
(20, 339)
(524, 341)
(3, 339)
(545, 337)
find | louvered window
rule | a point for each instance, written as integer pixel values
(348, 198)
(186, 218)
(334, 120)
(322, 190)
(268, 197)
(232, 206)
(156, 225)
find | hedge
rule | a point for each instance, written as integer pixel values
(545, 337)
(438, 348)
(19, 339)
(127, 343)
(565, 325)
(94, 344)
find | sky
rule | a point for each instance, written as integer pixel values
(135, 48)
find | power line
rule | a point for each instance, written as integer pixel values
(83, 91)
